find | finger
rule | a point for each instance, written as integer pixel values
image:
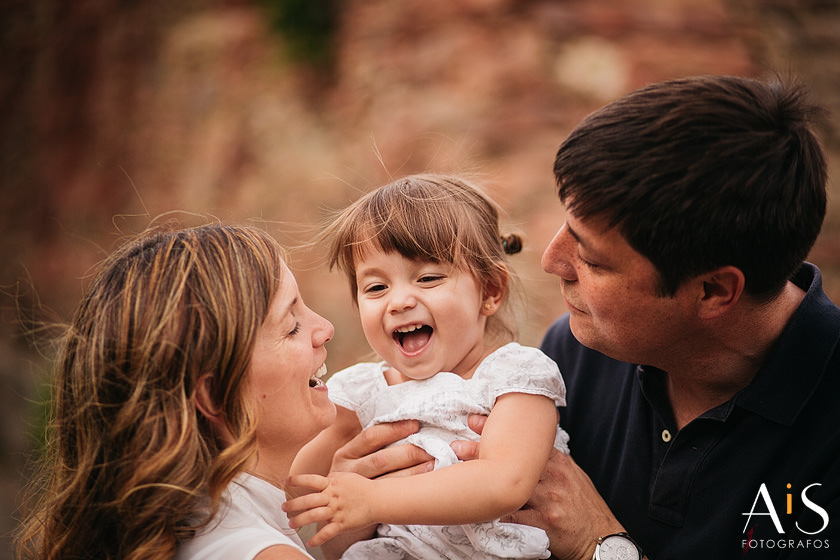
(400, 460)
(310, 481)
(387, 462)
(476, 422)
(424, 467)
(304, 503)
(316, 515)
(325, 533)
(378, 436)
(525, 516)
(465, 450)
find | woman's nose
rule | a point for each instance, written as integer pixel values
(557, 258)
(323, 331)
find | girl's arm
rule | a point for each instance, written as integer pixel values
(316, 456)
(515, 446)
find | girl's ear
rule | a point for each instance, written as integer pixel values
(494, 293)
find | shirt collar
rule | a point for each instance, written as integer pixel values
(793, 369)
(799, 358)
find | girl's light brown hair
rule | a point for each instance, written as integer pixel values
(436, 218)
(129, 459)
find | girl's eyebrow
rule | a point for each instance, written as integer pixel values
(369, 270)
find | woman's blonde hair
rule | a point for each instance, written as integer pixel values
(129, 457)
(430, 217)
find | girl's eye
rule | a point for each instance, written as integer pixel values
(374, 288)
(431, 278)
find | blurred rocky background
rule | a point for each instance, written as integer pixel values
(275, 112)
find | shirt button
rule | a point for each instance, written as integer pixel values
(666, 436)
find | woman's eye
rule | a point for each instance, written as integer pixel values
(295, 330)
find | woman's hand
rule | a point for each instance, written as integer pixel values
(367, 454)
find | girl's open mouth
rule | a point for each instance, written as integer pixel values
(412, 338)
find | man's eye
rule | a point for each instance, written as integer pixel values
(586, 263)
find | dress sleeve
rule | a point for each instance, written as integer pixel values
(355, 388)
(522, 369)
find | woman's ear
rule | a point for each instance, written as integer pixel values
(204, 400)
(494, 293)
(210, 410)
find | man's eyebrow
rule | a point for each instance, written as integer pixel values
(581, 241)
(573, 232)
(577, 237)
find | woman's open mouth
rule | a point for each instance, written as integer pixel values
(315, 380)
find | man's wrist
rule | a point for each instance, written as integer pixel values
(617, 546)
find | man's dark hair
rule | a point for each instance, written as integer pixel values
(703, 172)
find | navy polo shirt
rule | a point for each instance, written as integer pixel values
(756, 477)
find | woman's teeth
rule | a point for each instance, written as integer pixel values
(315, 380)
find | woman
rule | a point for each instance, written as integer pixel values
(187, 383)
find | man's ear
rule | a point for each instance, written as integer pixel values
(721, 290)
(494, 293)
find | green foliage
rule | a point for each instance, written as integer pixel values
(307, 26)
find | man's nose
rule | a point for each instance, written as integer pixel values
(558, 256)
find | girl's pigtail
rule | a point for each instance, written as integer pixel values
(511, 243)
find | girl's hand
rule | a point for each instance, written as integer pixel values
(340, 502)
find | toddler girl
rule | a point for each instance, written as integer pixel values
(428, 272)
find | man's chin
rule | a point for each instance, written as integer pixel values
(582, 331)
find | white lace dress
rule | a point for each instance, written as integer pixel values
(442, 404)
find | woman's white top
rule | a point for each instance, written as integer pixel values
(250, 519)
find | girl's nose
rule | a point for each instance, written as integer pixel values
(401, 299)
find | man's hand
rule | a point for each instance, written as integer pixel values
(567, 506)
(367, 454)
(565, 503)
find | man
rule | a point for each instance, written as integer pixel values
(701, 356)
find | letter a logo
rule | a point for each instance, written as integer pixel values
(771, 511)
